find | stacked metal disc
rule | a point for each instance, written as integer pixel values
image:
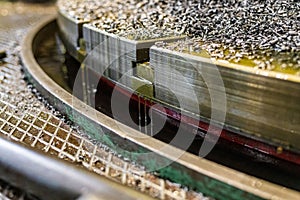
(263, 106)
(254, 46)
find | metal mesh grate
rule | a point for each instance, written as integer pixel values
(43, 131)
(25, 119)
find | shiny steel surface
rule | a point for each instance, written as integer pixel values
(26, 120)
(252, 97)
(23, 117)
(258, 104)
(244, 182)
(98, 159)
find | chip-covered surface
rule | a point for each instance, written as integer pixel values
(28, 119)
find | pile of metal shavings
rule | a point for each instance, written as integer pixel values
(25, 117)
(132, 19)
(262, 34)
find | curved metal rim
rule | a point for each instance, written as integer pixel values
(229, 176)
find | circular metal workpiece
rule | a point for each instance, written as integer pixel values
(92, 121)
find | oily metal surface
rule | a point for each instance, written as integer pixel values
(25, 119)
